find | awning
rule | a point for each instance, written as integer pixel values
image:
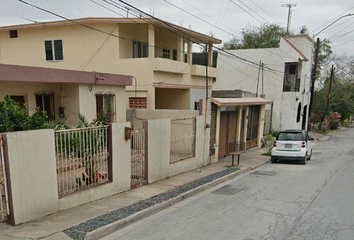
(240, 101)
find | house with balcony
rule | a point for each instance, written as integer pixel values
(281, 74)
(264, 90)
(158, 55)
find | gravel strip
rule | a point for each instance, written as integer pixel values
(78, 232)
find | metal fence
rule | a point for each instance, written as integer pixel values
(138, 164)
(81, 158)
(4, 207)
(182, 145)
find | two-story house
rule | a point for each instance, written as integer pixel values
(157, 54)
(285, 78)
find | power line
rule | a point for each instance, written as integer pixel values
(246, 11)
(208, 16)
(197, 17)
(253, 11)
(264, 11)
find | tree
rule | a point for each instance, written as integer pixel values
(14, 117)
(265, 36)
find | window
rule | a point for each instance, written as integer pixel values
(291, 81)
(140, 49)
(137, 102)
(18, 99)
(105, 106)
(298, 116)
(13, 34)
(166, 53)
(54, 50)
(174, 54)
(45, 102)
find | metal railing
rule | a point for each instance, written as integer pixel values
(182, 144)
(4, 207)
(81, 158)
(138, 168)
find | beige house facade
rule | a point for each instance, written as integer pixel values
(65, 93)
(158, 55)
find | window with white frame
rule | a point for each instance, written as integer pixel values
(166, 53)
(54, 50)
(140, 49)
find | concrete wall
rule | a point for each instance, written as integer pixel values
(34, 179)
(33, 174)
(140, 115)
(159, 134)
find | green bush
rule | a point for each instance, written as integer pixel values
(14, 117)
(275, 134)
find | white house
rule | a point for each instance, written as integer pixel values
(285, 79)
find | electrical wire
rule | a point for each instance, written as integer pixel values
(197, 17)
(246, 11)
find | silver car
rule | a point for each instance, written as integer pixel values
(292, 145)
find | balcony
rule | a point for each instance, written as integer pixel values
(170, 66)
(199, 70)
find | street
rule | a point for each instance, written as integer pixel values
(276, 201)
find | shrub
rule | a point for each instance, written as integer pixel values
(14, 117)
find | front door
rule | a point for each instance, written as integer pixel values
(227, 133)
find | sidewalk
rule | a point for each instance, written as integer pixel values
(99, 218)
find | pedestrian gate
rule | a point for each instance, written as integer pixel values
(138, 158)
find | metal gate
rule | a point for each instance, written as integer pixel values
(138, 158)
(4, 206)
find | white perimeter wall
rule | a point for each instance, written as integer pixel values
(33, 174)
(159, 137)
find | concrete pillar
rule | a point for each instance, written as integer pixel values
(180, 49)
(189, 52)
(151, 40)
(238, 124)
(215, 159)
(260, 125)
(245, 122)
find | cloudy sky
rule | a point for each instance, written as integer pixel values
(223, 18)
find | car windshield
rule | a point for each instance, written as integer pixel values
(290, 136)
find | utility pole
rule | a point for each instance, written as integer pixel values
(329, 89)
(262, 81)
(259, 70)
(314, 75)
(289, 5)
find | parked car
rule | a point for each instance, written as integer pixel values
(292, 145)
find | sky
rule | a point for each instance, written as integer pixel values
(224, 19)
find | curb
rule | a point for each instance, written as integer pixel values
(111, 228)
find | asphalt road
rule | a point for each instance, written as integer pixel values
(277, 201)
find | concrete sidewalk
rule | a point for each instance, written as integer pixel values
(52, 227)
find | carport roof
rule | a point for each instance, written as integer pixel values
(240, 101)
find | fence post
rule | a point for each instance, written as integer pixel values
(146, 129)
(110, 153)
(11, 217)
